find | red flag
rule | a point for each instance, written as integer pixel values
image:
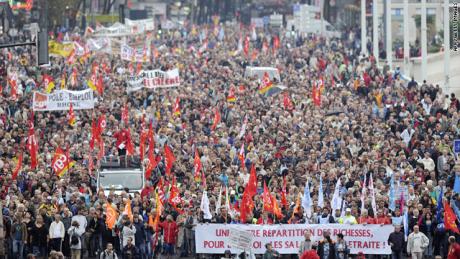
(32, 145)
(72, 119)
(153, 161)
(100, 85)
(18, 166)
(125, 114)
(276, 208)
(449, 218)
(247, 204)
(101, 125)
(169, 159)
(216, 119)
(287, 102)
(129, 143)
(241, 156)
(197, 166)
(283, 194)
(267, 199)
(316, 94)
(174, 196)
(61, 162)
(246, 46)
(276, 44)
(252, 183)
(176, 108)
(14, 87)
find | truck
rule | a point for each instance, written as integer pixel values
(117, 174)
(307, 19)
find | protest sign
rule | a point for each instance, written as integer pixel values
(135, 54)
(240, 238)
(154, 79)
(60, 100)
(286, 239)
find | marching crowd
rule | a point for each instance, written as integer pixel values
(357, 133)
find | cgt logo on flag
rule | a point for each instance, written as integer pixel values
(40, 101)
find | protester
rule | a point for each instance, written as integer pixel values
(396, 241)
(108, 253)
(341, 247)
(417, 242)
(306, 244)
(270, 253)
(75, 240)
(454, 249)
(326, 247)
(340, 121)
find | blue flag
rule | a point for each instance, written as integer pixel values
(456, 209)
(457, 184)
(392, 205)
(439, 208)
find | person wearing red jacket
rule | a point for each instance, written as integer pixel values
(454, 249)
(382, 219)
(121, 137)
(170, 231)
(364, 218)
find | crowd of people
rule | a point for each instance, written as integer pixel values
(363, 123)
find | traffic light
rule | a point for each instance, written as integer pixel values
(42, 48)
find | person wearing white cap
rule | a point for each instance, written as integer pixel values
(348, 218)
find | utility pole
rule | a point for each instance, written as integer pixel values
(406, 38)
(446, 46)
(424, 43)
(363, 28)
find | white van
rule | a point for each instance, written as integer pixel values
(118, 173)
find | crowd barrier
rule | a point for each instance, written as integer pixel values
(286, 239)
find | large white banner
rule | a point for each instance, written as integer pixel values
(154, 79)
(60, 100)
(286, 239)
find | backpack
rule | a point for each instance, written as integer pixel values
(74, 240)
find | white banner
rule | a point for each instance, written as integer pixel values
(135, 54)
(154, 79)
(60, 100)
(140, 26)
(286, 239)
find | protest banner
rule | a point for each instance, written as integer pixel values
(60, 100)
(154, 79)
(286, 239)
(60, 49)
(140, 26)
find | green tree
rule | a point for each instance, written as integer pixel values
(59, 10)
